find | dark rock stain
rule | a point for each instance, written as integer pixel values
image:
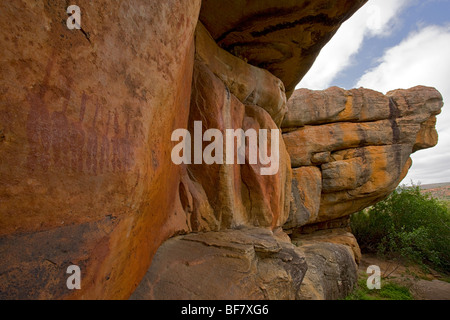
(317, 19)
(394, 113)
(29, 270)
(38, 128)
(362, 136)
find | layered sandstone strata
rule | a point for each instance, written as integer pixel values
(351, 148)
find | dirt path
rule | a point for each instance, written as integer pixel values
(423, 286)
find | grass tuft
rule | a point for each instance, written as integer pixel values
(388, 291)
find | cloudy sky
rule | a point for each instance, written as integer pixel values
(391, 44)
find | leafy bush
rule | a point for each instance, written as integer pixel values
(409, 224)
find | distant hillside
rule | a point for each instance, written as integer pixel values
(434, 185)
(437, 190)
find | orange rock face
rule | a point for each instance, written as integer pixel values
(249, 84)
(86, 176)
(86, 173)
(244, 264)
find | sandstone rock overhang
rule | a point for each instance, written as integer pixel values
(281, 36)
(86, 176)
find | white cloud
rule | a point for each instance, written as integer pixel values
(374, 19)
(422, 58)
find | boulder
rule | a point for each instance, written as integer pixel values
(332, 272)
(332, 255)
(244, 264)
(341, 236)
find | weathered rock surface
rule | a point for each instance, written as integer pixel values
(244, 264)
(341, 236)
(283, 37)
(360, 141)
(313, 107)
(86, 176)
(332, 272)
(249, 84)
(332, 253)
(306, 193)
(231, 195)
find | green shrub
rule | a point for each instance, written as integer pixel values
(394, 291)
(409, 224)
(388, 291)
